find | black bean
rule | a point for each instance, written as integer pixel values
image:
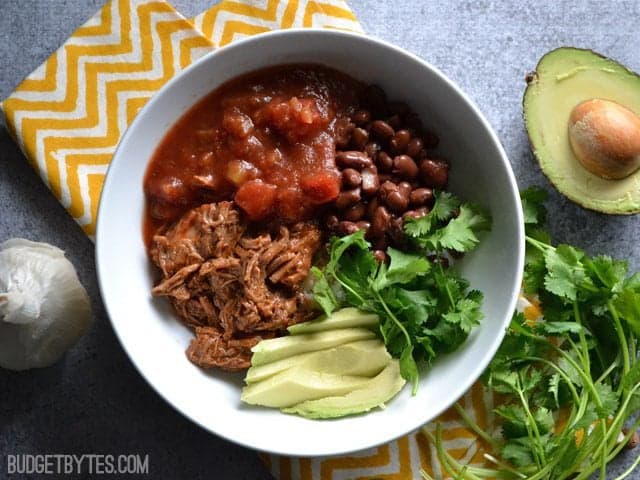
(355, 212)
(359, 137)
(386, 189)
(370, 182)
(371, 207)
(386, 177)
(347, 228)
(394, 121)
(351, 178)
(414, 146)
(372, 149)
(405, 188)
(435, 173)
(400, 140)
(380, 221)
(353, 159)
(361, 117)
(420, 197)
(405, 167)
(397, 201)
(396, 230)
(343, 131)
(384, 161)
(418, 213)
(363, 225)
(382, 129)
(380, 243)
(347, 198)
(439, 260)
(380, 256)
(332, 222)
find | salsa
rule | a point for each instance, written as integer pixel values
(267, 140)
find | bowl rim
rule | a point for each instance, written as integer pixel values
(477, 370)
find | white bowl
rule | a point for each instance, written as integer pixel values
(155, 340)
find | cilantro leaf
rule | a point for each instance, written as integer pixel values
(403, 268)
(608, 399)
(460, 234)
(445, 205)
(611, 273)
(627, 303)
(565, 272)
(322, 292)
(443, 210)
(518, 451)
(409, 367)
(533, 208)
(467, 313)
(561, 328)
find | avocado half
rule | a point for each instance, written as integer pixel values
(564, 78)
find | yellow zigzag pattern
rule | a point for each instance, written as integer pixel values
(230, 20)
(69, 115)
(401, 459)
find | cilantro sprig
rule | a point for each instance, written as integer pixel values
(425, 309)
(580, 363)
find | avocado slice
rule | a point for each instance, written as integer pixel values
(273, 349)
(564, 78)
(375, 393)
(365, 357)
(344, 318)
(297, 385)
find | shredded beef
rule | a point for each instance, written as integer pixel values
(232, 285)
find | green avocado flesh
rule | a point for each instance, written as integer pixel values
(326, 368)
(278, 348)
(375, 393)
(564, 78)
(343, 318)
(365, 357)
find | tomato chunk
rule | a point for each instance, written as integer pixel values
(321, 187)
(256, 198)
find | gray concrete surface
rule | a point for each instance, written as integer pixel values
(94, 401)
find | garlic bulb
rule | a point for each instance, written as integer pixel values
(44, 309)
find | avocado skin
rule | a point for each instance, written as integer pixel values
(557, 162)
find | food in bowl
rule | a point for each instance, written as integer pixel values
(155, 341)
(245, 191)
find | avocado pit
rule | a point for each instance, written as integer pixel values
(605, 138)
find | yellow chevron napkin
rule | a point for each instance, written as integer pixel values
(69, 114)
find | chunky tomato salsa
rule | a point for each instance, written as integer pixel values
(266, 139)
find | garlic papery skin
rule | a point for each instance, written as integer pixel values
(44, 309)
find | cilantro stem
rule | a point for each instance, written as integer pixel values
(586, 362)
(587, 381)
(393, 317)
(543, 247)
(474, 426)
(532, 426)
(621, 338)
(630, 470)
(559, 371)
(446, 287)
